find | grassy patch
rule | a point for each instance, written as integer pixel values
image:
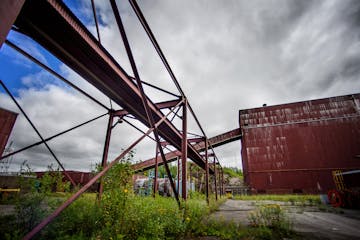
(124, 215)
(293, 199)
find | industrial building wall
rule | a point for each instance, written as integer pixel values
(294, 147)
(7, 121)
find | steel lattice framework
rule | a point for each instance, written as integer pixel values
(59, 31)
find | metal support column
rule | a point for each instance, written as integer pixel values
(215, 182)
(106, 151)
(184, 151)
(219, 180)
(155, 189)
(143, 96)
(178, 174)
(222, 181)
(206, 171)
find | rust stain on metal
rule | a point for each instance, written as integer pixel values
(7, 121)
(293, 147)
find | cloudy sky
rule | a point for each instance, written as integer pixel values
(227, 56)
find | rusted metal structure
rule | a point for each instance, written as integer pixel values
(199, 145)
(75, 46)
(7, 121)
(293, 148)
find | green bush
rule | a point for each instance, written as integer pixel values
(271, 216)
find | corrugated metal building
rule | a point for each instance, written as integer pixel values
(293, 148)
(7, 121)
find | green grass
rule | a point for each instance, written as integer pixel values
(124, 215)
(294, 199)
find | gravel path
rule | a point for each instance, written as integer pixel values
(308, 221)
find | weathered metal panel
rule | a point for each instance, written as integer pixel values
(9, 10)
(7, 121)
(294, 147)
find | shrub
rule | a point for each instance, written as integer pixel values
(271, 216)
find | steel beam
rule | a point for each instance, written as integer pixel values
(160, 105)
(215, 180)
(216, 141)
(206, 172)
(184, 152)
(155, 188)
(105, 152)
(82, 52)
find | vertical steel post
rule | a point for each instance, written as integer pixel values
(215, 182)
(190, 178)
(222, 181)
(143, 96)
(156, 170)
(178, 174)
(219, 180)
(105, 152)
(206, 171)
(184, 151)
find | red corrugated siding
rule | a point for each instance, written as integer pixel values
(296, 146)
(7, 121)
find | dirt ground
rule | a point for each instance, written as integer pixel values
(308, 221)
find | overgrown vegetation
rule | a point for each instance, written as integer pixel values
(123, 215)
(233, 172)
(120, 215)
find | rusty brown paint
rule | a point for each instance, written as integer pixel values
(215, 141)
(9, 10)
(7, 121)
(294, 147)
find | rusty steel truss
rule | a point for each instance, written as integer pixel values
(60, 32)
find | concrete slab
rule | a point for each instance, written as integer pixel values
(309, 221)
